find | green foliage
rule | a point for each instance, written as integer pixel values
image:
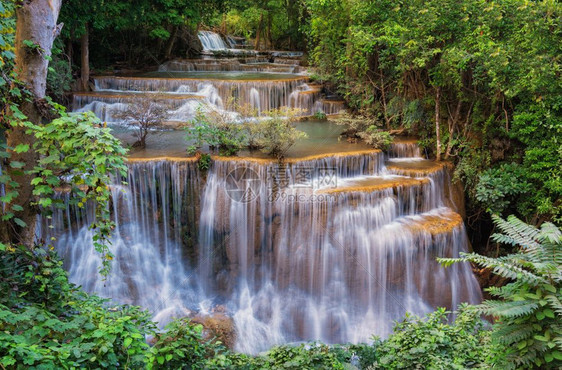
(376, 138)
(181, 345)
(78, 152)
(304, 356)
(274, 134)
(217, 130)
(499, 187)
(59, 76)
(46, 323)
(277, 133)
(434, 344)
(321, 116)
(528, 311)
(204, 162)
(75, 152)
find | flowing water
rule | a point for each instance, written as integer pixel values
(329, 247)
(212, 41)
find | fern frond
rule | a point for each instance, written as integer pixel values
(448, 262)
(516, 232)
(505, 269)
(555, 303)
(507, 308)
(513, 333)
(549, 233)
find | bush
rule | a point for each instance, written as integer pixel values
(277, 136)
(376, 138)
(499, 187)
(218, 131)
(181, 345)
(47, 323)
(434, 344)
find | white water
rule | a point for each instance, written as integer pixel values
(211, 41)
(331, 266)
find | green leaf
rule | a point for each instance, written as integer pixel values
(20, 222)
(127, 342)
(16, 164)
(21, 148)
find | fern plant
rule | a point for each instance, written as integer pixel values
(528, 311)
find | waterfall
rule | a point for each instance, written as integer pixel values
(154, 215)
(211, 41)
(185, 95)
(329, 247)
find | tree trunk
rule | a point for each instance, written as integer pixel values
(269, 38)
(171, 42)
(36, 21)
(85, 58)
(437, 119)
(257, 45)
(452, 122)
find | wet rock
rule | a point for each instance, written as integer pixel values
(218, 325)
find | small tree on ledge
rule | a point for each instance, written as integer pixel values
(145, 114)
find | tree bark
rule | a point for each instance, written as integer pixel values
(171, 43)
(36, 21)
(85, 58)
(257, 45)
(437, 119)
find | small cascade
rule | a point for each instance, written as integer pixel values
(305, 97)
(404, 148)
(211, 41)
(329, 106)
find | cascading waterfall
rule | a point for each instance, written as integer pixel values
(154, 214)
(211, 41)
(186, 95)
(329, 247)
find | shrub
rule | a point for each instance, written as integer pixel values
(277, 132)
(498, 187)
(47, 323)
(218, 131)
(181, 345)
(376, 138)
(304, 356)
(433, 343)
(321, 116)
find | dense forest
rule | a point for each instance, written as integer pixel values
(478, 83)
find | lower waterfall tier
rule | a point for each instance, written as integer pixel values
(334, 254)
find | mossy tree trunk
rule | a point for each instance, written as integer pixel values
(36, 29)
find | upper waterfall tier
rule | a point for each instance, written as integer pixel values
(212, 41)
(253, 64)
(185, 92)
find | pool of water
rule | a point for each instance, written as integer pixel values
(323, 137)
